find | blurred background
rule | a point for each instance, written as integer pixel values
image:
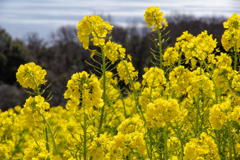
(44, 31)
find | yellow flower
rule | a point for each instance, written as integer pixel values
(231, 36)
(174, 158)
(232, 22)
(130, 138)
(179, 80)
(161, 111)
(235, 114)
(231, 40)
(6, 149)
(131, 125)
(153, 83)
(126, 71)
(37, 103)
(31, 75)
(170, 56)
(224, 60)
(202, 148)
(200, 85)
(171, 113)
(154, 77)
(236, 82)
(154, 18)
(196, 47)
(217, 117)
(173, 144)
(86, 88)
(99, 146)
(221, 77)
(217, 114)
(93, 28)
(113, 51)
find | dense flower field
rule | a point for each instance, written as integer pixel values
(185, 107)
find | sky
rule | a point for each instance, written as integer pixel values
(20, 17)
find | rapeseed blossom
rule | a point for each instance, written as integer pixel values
(171, 56)
(162, 111)
(187, 109)
(231, 36)
(203, 147)
(154, 18)
(114, 51)
(85, 89)
(126, 71)
(93, 29)
(31, 75)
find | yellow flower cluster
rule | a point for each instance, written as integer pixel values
(223, 60)
(221, 77)
(93, 28)
(36, 104)
(179, 81)
(31, 75)
(201, 148)
(34, 108)
(195, 47)
(174, 145)
(186, 110)
(154, 18)
(231, 36)
(154, 77)
(235, 114)
(200, 84)
(217, 115)
(126, 71)
(236, 82)
(221, 114)
(162, 111)
(153, 82)
(170, 56)
(86, 88)
(130, 139)
(113, 51)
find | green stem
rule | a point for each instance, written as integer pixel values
(179, 59)
(160, 48)
(179, 136)
(150, 155)
(165, 136)
(197, 118)
(206, 66)
(124, 108)
(84, 134)
(235, 60)
(233, 148)
(219, 144)
(231, 142)
(46, 136)
(103, 67)
(50, 131)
